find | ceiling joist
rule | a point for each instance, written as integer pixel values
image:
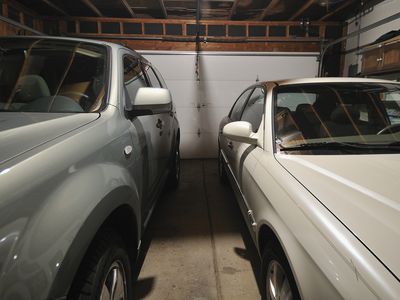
(128, 8)
(233, 9)
(269, 7)
(55, 7)
(89, 4)
(164, 10)
(302, 9)
(339, 8)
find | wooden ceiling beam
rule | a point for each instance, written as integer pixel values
(339, 8)
(128, 8)
(164, 10)
(89, 4)
(266, 10)
(55, 7)
(302, 9)
(233, 9)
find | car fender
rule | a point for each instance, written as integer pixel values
(63, 228)
(314, 260)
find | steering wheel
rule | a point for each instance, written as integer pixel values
(390, 129)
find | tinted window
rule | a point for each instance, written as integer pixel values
(133, 77)
(52, 76)
(254, 108)
(237, 108)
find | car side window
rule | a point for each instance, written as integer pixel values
(237, 108)
(154, 81)
(254, 108)
(133, 77)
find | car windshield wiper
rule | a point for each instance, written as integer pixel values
(341, 146)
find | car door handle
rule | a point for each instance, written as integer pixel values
(230, 145)
(159, 124)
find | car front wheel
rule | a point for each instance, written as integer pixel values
(277, 278)
(105, 273)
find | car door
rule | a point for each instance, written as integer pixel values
(242, 160)
(164, 124)
(229, 147)
(144, 129)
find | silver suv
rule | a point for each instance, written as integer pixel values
(88, 139)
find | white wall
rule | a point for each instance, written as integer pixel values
(223, 76)
(380, 11)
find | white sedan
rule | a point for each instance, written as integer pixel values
(315, 164)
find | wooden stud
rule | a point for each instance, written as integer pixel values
(5, 8)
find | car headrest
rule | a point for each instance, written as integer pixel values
(307, 113)
(31, 87)
(343, 113)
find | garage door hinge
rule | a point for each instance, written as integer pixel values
(252, 220)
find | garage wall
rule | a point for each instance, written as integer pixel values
(380, 11)
(223, 76)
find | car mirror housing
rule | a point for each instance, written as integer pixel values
(150, 101)
(240, 131)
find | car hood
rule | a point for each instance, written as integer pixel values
(362, 191)
(21, 132)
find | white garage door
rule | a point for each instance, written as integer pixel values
(223, 76)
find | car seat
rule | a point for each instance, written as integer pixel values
(31, 87)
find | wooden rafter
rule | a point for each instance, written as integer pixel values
(164, 10)
(55, 7)
(233, 9)
(89, 4)
(339, 8)
(128, 8)
(266, 10)
(302, 9)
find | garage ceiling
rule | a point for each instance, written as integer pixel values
(246, 10)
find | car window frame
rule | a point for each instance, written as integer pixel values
(264, 105)
(127, 105)
(146, 64)
(244, 104)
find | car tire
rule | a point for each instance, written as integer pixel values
(106, 261)
(277, 277)
(223, 178)
(175, 171)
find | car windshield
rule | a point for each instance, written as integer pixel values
(338, 118)
(46, 75)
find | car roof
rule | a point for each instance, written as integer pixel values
(332, 80)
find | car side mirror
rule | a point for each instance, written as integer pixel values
(150, 101)
(240, 131)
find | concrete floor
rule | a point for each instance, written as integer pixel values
(196, 246)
